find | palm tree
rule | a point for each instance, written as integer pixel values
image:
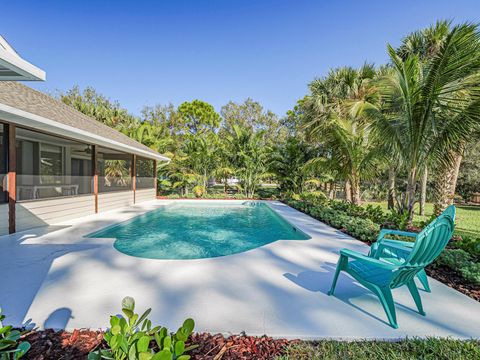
(288, 163)
(249, 156)
(335, 117)
(202, 154)
(431, 104)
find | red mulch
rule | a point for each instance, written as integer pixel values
(450, 278)
(63, 345)
(236, 347)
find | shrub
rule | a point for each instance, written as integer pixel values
(361, 228)
(469, 244)
(313, 197)
(199, 191)
(9, 346)
(239, 196)
(173, 196)
(462, 262)
(132, 338)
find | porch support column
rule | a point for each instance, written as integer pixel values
(95, 175)
(155, 177)
(12, 177)
(134, 176)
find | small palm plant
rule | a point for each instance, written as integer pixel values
(9, 347)
(131, 337)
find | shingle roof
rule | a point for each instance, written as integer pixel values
(27, 99)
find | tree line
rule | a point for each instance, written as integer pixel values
(405, 125)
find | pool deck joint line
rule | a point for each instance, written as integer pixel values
(54, 277)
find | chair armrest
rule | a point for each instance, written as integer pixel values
(361, 257)
(384, 232)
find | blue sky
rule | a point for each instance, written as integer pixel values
(146, 52)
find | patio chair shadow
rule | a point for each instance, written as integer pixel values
(347, 288)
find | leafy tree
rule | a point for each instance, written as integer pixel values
(97, 106)
(252, 116)
(198, 117)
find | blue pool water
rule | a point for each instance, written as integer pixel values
(200, 230)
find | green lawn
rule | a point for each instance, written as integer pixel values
(369, 350)
(468, 218)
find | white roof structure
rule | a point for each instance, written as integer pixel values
(13, 67)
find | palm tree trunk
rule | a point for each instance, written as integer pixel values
(348, 191)
(409, 201)
(355, 189)
(331, 190)
(446, 182)
(423, 190)
(391, 188)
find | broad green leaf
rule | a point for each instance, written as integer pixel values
(179, 348)
(189, 325)
(183, 357)
(165, 354)
(5, 329)
(167, 342)
(115, 329)
(142, 343)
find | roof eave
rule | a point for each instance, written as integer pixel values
(24, 118)
(23, 68)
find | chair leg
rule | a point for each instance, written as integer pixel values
(373, 250)
(422, 276)
(416, 296)
(386, 299)
(340, 266)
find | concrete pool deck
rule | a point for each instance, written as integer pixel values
(54, 277)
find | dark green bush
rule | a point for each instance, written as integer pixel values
(361, 228)
(462, 262)
(469, 244)
(314, 197)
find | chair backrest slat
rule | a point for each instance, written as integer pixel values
(429, 244)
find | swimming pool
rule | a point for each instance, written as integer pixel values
(200, 230)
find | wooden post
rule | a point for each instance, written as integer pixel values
(12, 177)
(155, 177)
(95, 175)
(134, 176)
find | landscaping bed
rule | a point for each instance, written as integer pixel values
(458, 266)
(56, 345)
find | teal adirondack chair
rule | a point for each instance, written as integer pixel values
(396, 251)
(381, 277)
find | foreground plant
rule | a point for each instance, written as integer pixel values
(134, 338)
(9, 347)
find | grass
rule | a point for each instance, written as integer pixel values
(408, 349)
(467, 220)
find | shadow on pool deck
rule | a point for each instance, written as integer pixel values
(279, 289)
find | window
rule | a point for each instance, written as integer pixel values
(114, 170)
(145, 176)
(51, 163)
(50, 166)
